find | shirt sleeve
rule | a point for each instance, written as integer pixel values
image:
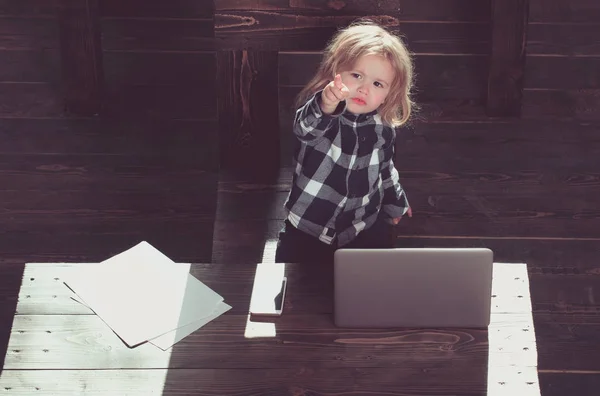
(395, 203)
(310, 122)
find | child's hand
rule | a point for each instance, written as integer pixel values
(333, 94)
(397, 219)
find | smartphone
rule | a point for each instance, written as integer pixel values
(268, 291)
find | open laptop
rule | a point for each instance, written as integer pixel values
(413, 287)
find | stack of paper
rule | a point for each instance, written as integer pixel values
(142, 295)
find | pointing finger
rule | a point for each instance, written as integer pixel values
(338, 81)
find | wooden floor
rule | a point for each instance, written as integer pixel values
(529, 190)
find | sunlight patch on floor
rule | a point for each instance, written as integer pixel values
(266, 290)
(268, 255)
(49, 330)
(512, 353)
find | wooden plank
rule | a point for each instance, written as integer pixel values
(507, 62)
(37, 8)
(81, 56)
(39, 340)
(79, 209)
(247, 107)
(185, 241)
(568, 342)
(85, 342)
(559, 383)
(156, 101)
(581, 104)
(245, 382)
(80, 137)
(196, 70)
(549, 39)
(587, 11)
(288, 31)
(27, 33)
(43, 293)
(256, 238)
(44, 173)
(462, 77)
(30, 100)
(30, 66)
(564, 73)
(124, 102)
(170, 35)
(571, 294)
(157, 9)
(428, 10)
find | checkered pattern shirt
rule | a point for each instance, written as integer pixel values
(344, 173)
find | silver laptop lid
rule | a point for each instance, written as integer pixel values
(413, 287)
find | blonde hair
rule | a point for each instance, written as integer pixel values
(365, 37)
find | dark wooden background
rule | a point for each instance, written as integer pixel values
(168, 121)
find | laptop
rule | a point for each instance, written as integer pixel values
(413, 287)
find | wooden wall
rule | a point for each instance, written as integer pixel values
(145, 168)
(192, 86)
(563, 60)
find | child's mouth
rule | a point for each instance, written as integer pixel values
(359, 101)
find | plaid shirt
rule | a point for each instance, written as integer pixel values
(344, 173)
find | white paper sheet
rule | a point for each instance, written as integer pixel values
(142, 294)
(166, 341)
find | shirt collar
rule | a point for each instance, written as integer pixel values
(358, 117)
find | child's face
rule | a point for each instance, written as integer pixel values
(369, 83)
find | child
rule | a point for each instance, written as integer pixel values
(345, 189)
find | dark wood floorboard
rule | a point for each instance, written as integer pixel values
(562, 384)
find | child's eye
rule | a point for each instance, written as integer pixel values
(355, 75)
(378, 84)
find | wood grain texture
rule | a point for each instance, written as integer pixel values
(81, 56)
(579, 333)
(30, 100)
(30, 66)
(35, 8)
(97, 241)
(189, 142)
(244, 382)
(565, 11)
(563, 104)
(184, 9)
(288, 31)
(558, 383)
(156, 35)
(256, 239)
(89, 172)
(547, 38)
(28, 33)
(563, 73)
(124, 101)
(181, 69)
(554, 291)
(247, 106)
(507, 61)
(436, 10)
(39, 340)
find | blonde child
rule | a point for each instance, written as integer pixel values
(345, 189)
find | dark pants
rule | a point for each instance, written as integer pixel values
(295, 246)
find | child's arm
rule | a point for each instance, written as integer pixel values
(395, 202)
(320, 112)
